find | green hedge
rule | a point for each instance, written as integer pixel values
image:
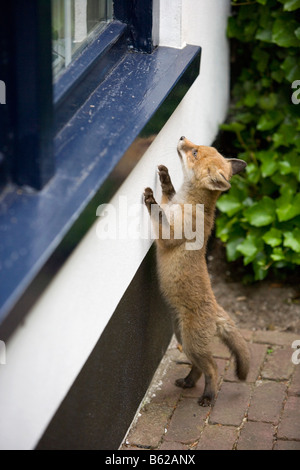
(260, 216)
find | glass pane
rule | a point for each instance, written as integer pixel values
(74, 24)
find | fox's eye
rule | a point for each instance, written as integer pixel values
(195, 153)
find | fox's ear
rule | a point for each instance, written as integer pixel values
(237, 165)
(217, 182)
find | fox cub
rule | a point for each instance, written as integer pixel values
(183, 275)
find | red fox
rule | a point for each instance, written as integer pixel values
(183, 275)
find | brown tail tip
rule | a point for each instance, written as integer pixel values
(242, 369)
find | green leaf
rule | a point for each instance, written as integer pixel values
(277, 75)
(253, 173)
(262, 2)
(277, 254)
(259, 267)
(268, 102)
(233, 29)
(250, 248)
(229, 204)
(269, 163)
(291, 5)
(293, 257)
(262, 58)
(292, 240)
(291, 68)
(233, 126)
(251, 98)
(264, 35)
(283, 32)
(228, 228)
(273, 237)
(232, 202)
(244, 117)
(290, 164)
(261, 213)
(288, 208)
(231, 249)
(285, 135)
(297, 33)
(285, 180)
(269, 120)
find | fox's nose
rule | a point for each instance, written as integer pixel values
(182, 137)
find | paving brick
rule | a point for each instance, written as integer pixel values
(267, 402)
(295, 383)
(280, 338)
(165, 390)
(173, 446)
(222, 364)
(173, 420)
(278, 365)
(256, 436)
(187, 422)
(231, 404)
(217, 437)
(289, 427)
(125, 447)
(151, 425)
(287, 445)
(257, 355)
(197, 391)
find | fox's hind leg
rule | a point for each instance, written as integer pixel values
(190, 380)
(196, 347)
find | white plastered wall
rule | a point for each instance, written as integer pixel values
(46, 353)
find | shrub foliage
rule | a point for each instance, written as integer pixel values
(260, 216)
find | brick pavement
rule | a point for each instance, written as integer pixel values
(261, 413)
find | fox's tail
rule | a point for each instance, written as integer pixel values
(233, 339)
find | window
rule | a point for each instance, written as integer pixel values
(75, 23)
(59, 145)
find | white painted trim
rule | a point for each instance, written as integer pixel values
(68, 32)
(170, 26)
(80, 20)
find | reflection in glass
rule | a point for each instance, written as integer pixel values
(75, 23)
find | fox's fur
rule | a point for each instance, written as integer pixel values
(183, 274)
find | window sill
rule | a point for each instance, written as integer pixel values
(87, 149)
(81, 66)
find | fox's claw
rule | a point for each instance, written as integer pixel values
(163, 174)
(165, 181)
(148, 197)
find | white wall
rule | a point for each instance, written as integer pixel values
(45, 355)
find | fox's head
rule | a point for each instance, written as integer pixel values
(205, 167)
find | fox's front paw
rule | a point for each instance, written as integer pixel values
(148, 197)
(163, 174)
(165, 180)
